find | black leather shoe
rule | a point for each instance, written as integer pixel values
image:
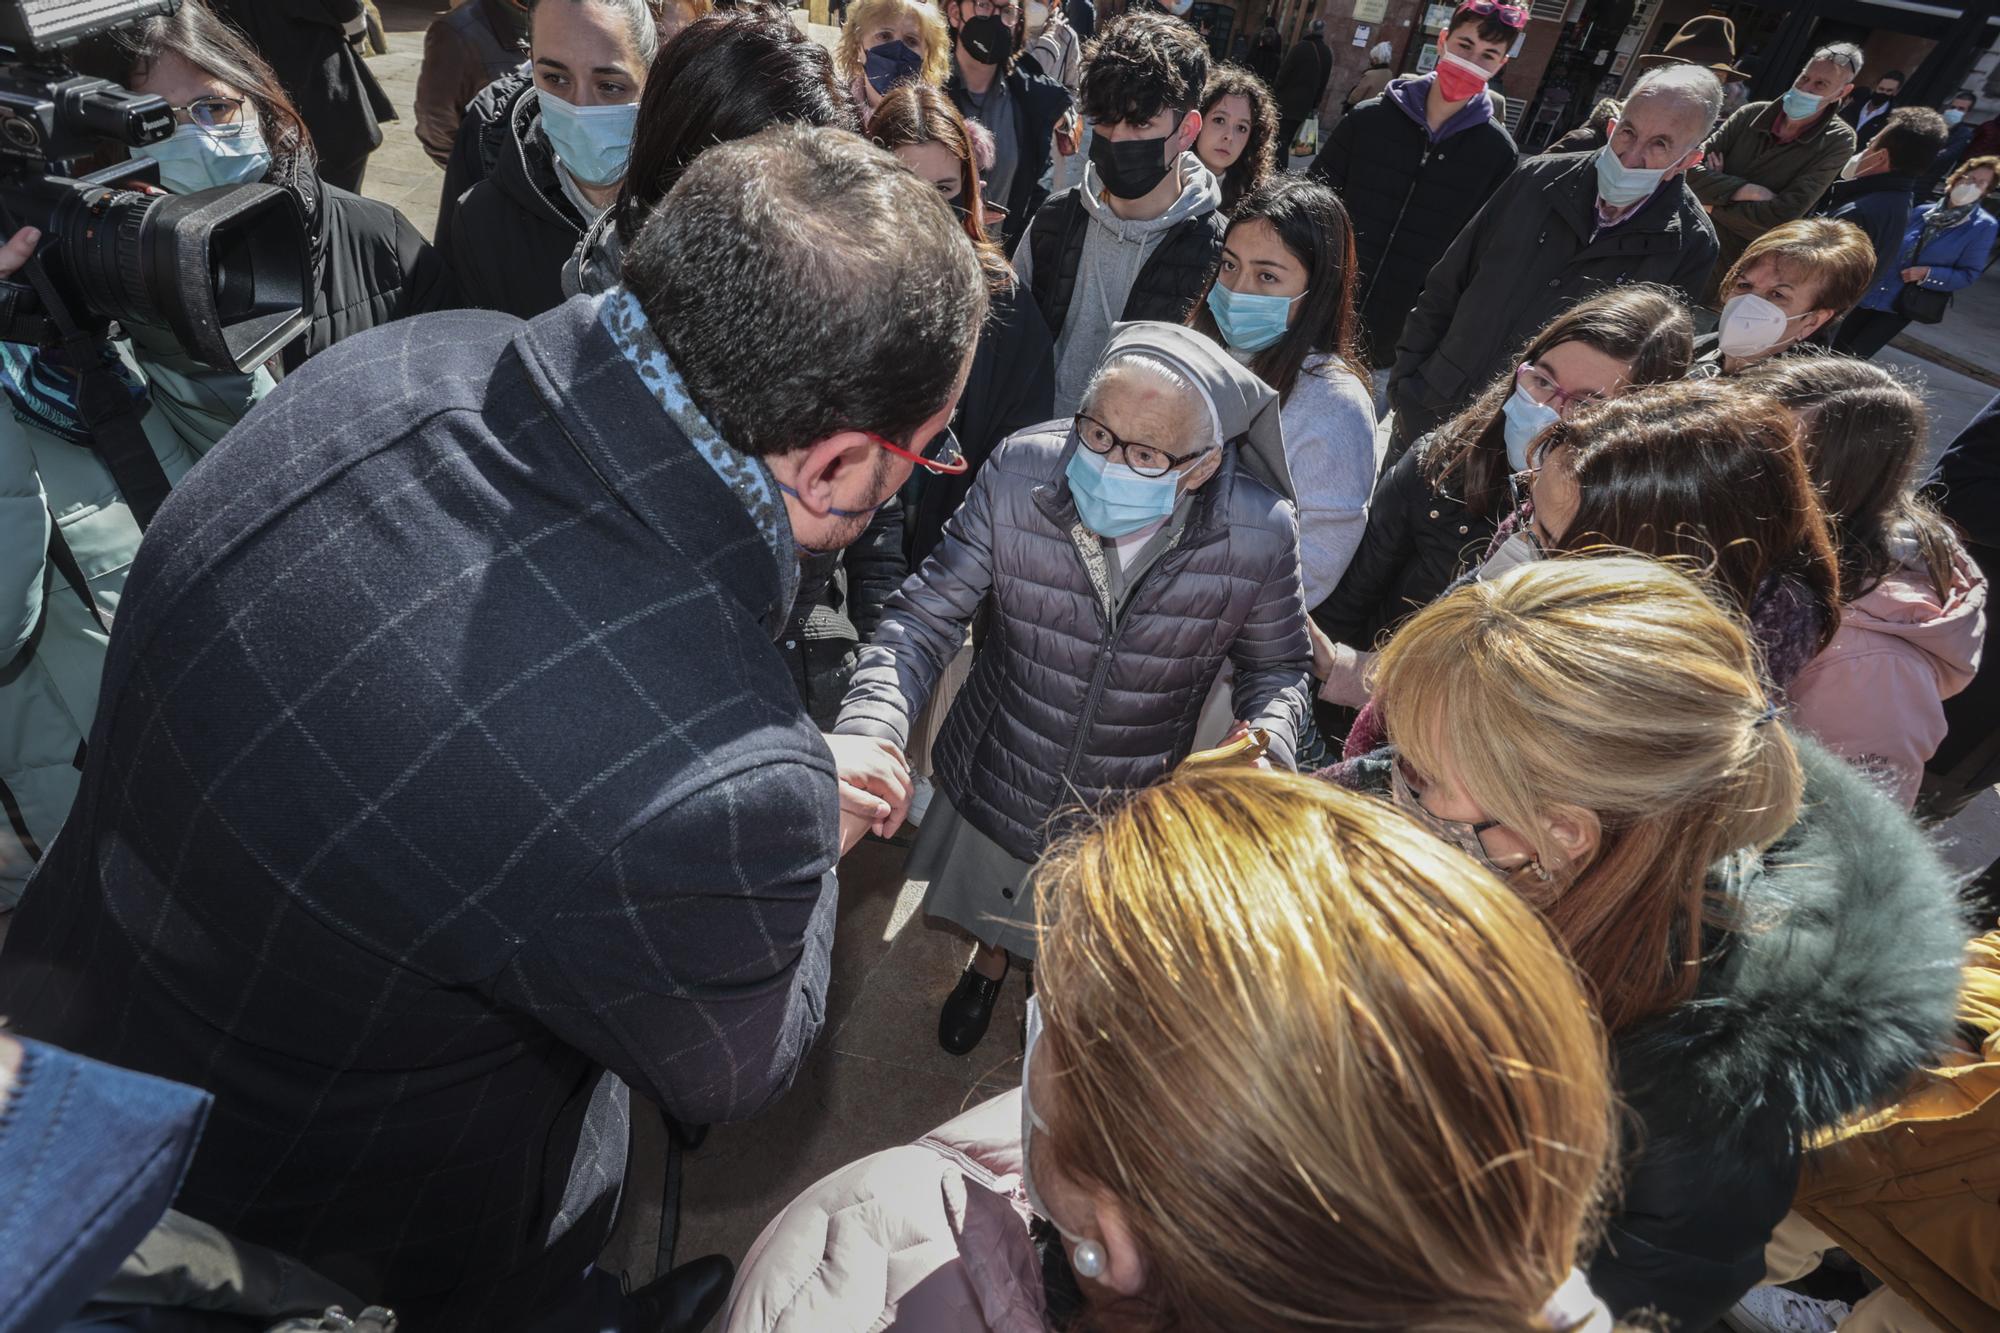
(967, 1010)
(685, 1300)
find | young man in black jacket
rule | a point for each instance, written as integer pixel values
(1024, 111)
(1141, 237)
(1878, 189)
(1561, 228)
(1414, 165)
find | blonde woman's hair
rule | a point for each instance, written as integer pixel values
(863, 18)
(1330, 1069)
(1613, 685)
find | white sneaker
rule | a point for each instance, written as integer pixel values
(1781, 1310)
(921, 792)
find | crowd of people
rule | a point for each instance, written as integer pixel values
(1435, 671)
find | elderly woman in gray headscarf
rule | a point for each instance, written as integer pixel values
(1126, 555)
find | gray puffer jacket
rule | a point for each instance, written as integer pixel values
(1067, 710)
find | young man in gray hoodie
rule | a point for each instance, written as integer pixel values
(1140, 238)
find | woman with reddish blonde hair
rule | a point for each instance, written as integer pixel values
(1772, 944)
(1294, 1059)
(1012, 381)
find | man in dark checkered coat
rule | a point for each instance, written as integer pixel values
(446, 781)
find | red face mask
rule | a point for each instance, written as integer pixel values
(1458, 79)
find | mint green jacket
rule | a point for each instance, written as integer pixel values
(51, 644)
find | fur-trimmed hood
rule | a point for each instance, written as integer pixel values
(1840, 981)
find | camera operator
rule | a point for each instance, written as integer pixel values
(234, 125)
(67, 539)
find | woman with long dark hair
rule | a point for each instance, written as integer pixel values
(1012, 382)
(1706, 471)
(723, 78)
(1912, 601)
(235, 125)
(1435, 511)
(1239, 132)
(1283, 303)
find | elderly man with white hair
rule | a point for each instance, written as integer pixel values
(1122, 558)
(1561, 228)
(1771, 161)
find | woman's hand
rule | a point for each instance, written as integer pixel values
(20, 248)
(1347, 681)
(1916, 273)
(1323, 654)
(874, 786)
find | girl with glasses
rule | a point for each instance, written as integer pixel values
(1437, 509)
(234, 125)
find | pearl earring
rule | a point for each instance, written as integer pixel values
(1089, 1259)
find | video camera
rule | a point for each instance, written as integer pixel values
(226, 270)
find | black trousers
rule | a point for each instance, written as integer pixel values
(347, 175)
(1865, 332)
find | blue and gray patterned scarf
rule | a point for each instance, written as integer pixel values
(747, 478)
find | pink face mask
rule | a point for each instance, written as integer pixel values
(1459, 80)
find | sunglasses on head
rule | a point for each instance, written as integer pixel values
(1514, 16)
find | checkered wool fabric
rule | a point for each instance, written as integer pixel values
(445, 781)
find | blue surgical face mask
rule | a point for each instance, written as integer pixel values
(1953, 115)
(92, 1156)
(593, 142)
(1249, 322)
(1621, 186)
(891, 63)
(1112, 499)
(1800, 106)
(1526, 420)
(198, 159)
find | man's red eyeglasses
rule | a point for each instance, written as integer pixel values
(942, 455)
(1514, 16)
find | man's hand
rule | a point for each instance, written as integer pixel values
(1752, 194)
(20, 248)
(874, 786)
(1236, 733)
(1917, 273)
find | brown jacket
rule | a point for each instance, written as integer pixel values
(464, 51)
(1913, 1192)
(1746, 152)
(1371, 84)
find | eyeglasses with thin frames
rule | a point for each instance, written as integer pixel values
(215, 115)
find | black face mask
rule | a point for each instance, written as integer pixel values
(986, 38)
(1131, 168)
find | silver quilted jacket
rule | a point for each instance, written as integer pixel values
(1069, 708)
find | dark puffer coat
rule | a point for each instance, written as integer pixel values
(1065, 709)
(482, 136)
(1170, 285)
(1842, 983)
(512, 233)
(370, 265)
(1417, 541)
(1012, 386)
(1409, 198)
(1532, 252)
(840, 601)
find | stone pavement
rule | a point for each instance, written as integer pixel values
(877, 1076)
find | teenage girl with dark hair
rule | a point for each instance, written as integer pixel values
(1283, 303)
(1239, 132)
